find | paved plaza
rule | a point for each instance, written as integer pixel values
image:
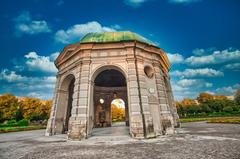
(193, 141)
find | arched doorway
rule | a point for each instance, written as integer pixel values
(118, 112)
(109, 84)
(64, 108)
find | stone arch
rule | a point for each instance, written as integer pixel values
(93, 76)
(64, 103)
(104, 67)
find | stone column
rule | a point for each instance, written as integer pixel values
(50, 124)
(165, 113)
(78, 121)
(172, 102)
(144, 98)
(141, 124)
(135, 116)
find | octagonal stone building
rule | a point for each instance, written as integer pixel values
(105, 66)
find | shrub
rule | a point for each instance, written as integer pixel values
(228, 109)
(205, 108)
(23, 122)
(10, 122)
(235, 108)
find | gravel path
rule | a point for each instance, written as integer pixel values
(197, 140)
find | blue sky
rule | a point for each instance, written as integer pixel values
(201, 38)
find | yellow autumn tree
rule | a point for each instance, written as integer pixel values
(118, 114)
(8, 107)
(17, 108)
(36, 109)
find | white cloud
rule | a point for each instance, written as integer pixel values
(202, 60)
(201, 72)
(192, 92)
(76, 32)
(233, 66)
(177, 88)
(210, 92)
(185, 83)
(35, 62)
(180, 95)
(198, 52)
(188, 88)
(39, 84)
(138, 3)
(175, 58)
(35, 83)
(183, 1)
(216, 57)
(54, 56)
(38, 87)
(35, 95)
(25, 25)
(116, 26)
(11, 76)
(208, 84)
(201, 52)
(181, 92)
(134, 3)
(193, 83)
(21, 85)
(228, 90)
(31, 55)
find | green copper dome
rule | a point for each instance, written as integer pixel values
(114, 37)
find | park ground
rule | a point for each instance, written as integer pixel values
(194, 140)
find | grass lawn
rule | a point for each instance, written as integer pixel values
(230, 120)
(21, 128)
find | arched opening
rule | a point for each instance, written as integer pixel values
(118, 111)
(109, 85)
(64, 108)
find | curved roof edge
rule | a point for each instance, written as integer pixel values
(120, 36)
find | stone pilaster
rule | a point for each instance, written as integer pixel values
(50, 124)
(136, 121)
(172, 103)
(144, 99)
(78, 121)
(165, 113)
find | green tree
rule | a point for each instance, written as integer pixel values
(215, 105)
(237, 97)
(193, 109)
(205, 108)
(180, 109)
(228, 109)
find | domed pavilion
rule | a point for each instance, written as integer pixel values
(107, 66)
